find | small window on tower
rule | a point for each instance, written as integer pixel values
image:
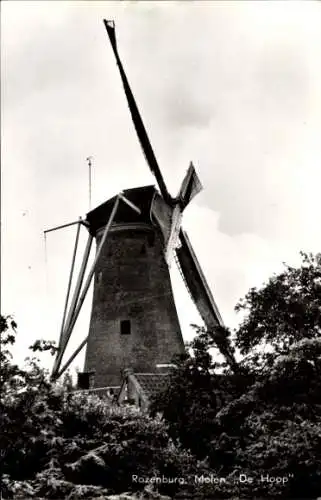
(85, 380)
(125, 327)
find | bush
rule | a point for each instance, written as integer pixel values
(226, 424)
(262, 418)
(59, 444)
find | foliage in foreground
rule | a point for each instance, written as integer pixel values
(246, 429)
(58, 444)
(263, 419)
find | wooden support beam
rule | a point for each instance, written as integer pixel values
(129, 203)
(72, 357)
(79, 221)
(74, 316)
(64, 338)
(69, 284)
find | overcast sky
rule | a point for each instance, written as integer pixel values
(233, 86)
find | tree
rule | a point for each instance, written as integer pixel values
(274, 428)
(28, 404)
(284, 311)
(258, 419)
(199, 388)
(262, 420)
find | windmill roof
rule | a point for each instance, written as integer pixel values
(141, 197)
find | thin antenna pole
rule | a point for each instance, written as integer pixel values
(89, 158)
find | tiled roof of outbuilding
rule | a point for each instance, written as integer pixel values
(152, 383)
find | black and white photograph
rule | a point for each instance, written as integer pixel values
(160, 323)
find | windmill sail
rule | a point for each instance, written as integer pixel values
(190, 187)
(169, 221)
(173, 240)
(137, 120)
(161, 213)
(196, 283)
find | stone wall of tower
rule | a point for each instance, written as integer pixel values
(132, 283)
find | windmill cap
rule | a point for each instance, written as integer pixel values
(142, 197)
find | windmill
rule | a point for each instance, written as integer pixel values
(138, 233)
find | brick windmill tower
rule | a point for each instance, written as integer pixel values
(134, 323)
